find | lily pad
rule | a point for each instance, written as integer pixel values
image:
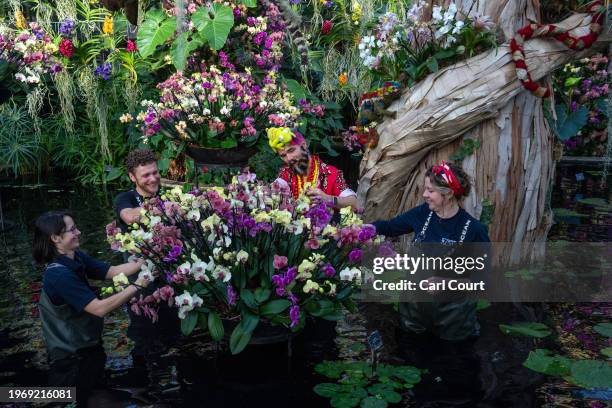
(605, 329)
(592, 373)
(373, 402)
(531, 329)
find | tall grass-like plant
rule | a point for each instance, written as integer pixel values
(20, 150)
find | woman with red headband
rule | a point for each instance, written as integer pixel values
(440, 220)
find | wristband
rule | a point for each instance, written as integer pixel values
(335, 201)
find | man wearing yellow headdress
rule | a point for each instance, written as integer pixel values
(305, 173)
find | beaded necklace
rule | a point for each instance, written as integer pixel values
(298, 185)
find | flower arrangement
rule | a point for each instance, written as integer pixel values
(217, 107)
(247, 253)
(32, 51)
(405, 47)
(581, 89)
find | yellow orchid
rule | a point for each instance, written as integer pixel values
(107, 27)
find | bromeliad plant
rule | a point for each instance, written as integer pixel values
(246, 253)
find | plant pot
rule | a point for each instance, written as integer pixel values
(264, 333)
(236, 156)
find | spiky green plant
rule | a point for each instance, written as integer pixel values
(20, 150)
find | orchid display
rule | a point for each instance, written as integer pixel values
(246, 253)
(409, 46)
(217, 107)
(32, 51)
(582, 89)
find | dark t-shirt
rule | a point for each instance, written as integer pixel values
(127, 199)
(446, 231)
(65, 279)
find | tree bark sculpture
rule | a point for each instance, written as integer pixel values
(480, 98)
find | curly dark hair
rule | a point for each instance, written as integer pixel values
(439, 182)
(139, 157)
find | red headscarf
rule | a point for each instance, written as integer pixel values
(443, 170)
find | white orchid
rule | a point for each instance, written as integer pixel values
(222, 272)
(350, 274)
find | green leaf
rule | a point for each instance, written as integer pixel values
(443, 54)
(483, 304)
(274, 307)
(432, 64)
(181, 48)
(296, 89)
(328, 390)
(542, 361)
(373, 402)
(155, 30)
(229, 143)
(248, 298)
(330, 150)
(214, 23)
(113, 174)
(532, 329)
(248, 3)
(215, 326)
(407, 374)
(606, 352)
(391, 396)
(379, 388)
(344, 401)
(592, 373)
(249, 322)
(326, 307)
(605, 329)
(203, 321)
(572, 81)
(331, 369)
(569, 125)
(262, 294)
(189, 323)
(239, 339)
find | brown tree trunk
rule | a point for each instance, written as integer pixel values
(482, 99)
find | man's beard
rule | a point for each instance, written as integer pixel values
(300, 166)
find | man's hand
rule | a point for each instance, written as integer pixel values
(130, 215)
(317, 195)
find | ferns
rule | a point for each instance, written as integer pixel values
(20, 151)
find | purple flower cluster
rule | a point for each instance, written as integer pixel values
(281, 281)
(173, 254)
(328, 270)
(104, 71)
(66, 28)
(320, 215)
(294, 315)
(231, 296)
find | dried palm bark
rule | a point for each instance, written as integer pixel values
(478, 98)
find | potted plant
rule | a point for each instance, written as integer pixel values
(247, 253)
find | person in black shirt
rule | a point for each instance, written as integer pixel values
(70, 311)
(439, 220)
(142, 169)
(148, 337)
